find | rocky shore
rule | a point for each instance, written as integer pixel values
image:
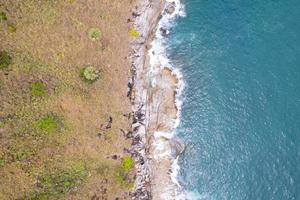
(152, 91)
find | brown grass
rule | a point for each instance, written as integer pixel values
(51, 46)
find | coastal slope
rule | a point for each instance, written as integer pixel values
(64, 107)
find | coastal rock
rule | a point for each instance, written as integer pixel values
(177, 147)
(144, 121)
(170, 9)
(164, 32)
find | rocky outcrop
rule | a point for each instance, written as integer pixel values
(144, 19)
(153, 105)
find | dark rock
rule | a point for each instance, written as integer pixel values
(108, 126)
(123, 132)
(114, 157)
(129, 135)
(164, 32)
(95, 197)
(140, 116)
(130, 88)
(134, 120)
(142, 161)
(134, 14)
(135, 129)
(136, 140)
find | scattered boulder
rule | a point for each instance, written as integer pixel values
(95, 197)
(135, 14)
(108, 126)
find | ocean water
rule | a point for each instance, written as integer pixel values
(240, 116)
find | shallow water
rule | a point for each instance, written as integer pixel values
(241, 110)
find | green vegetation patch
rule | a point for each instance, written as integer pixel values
(56, 183)
(94, 34)
(134, 33)
(2, 162)
(90, 74)
(122, 175)
(20, 152)
(3, 16)
(5, 60)
(127, 163)
(49, 123)
(38, 89)
(11, 28)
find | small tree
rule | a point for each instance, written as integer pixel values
(90, 74)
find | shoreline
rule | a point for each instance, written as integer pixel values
(154, 88)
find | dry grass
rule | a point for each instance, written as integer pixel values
(52, 141)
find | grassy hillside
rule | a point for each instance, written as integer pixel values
(63, 84)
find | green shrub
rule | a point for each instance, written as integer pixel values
(5, 60)
(11, 28)
(89, 74)
(94, 34)
(134, 33)
(3, 16)
(37, 89)
(122, 175)
(48, 123)
(2, 162)
(127, 163)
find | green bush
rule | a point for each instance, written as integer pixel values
(89, 74)
(2, 162)
(134, 33)
(37, 89)
(122, 175)
(94, 34)
(48, 123)
(5, 60)
(127, 163)
(11, 28)
(3, 16)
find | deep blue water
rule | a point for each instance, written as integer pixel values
(241, 113)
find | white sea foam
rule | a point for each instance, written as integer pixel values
(159, 59)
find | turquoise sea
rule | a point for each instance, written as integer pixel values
(240, 118)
